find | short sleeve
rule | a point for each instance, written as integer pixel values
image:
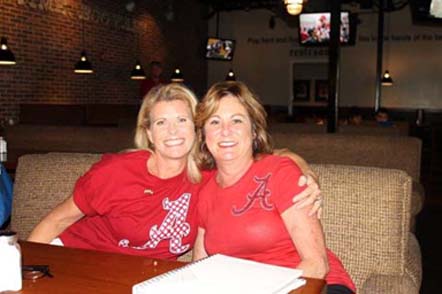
(202, 214)
(202, 210)
(202, 207)
(286, 184)
(91, 189)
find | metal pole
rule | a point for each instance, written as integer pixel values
(217, 24)
(333, 67)
(377, 101)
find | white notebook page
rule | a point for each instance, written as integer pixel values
(224, 274)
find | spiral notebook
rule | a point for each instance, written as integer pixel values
(224, 274)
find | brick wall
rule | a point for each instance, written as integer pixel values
(46, 38)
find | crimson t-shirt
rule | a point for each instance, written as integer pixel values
(130, 211)
(244, 219)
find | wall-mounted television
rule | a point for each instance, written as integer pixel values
(220, 49)
(314, 28)
(426, 12)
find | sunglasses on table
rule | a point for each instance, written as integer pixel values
(33, 272)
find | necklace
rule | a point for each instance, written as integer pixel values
(148, 191)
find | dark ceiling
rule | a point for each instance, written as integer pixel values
(226, 5)
(310, 6)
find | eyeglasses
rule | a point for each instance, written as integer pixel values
(33, 272)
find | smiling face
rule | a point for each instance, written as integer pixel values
(228, 132)
(171, 129)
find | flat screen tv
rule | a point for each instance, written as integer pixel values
(426, 12)
(314, 29)
(220, 49)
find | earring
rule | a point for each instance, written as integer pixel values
(203, 147)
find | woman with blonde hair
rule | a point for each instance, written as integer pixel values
(141, 202)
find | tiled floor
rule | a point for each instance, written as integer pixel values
(429, 234)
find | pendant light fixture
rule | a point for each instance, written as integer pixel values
(177, 76)
(294, 7)
(230, 76)
(386, 77)
(6, 55)
(83, 66)
(138, 71)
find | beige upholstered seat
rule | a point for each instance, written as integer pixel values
(366, 221)
(366, 215)
(367, 128)
(41, 182)
(395, 152)
(402, 153)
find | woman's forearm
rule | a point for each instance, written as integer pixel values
(308, 237)
(47, 230)
(53, 224)
(199, 250)
(314, 268)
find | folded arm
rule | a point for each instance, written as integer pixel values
(54, 223)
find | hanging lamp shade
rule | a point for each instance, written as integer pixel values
(230, 76)
(294, 7)
(138, 72)
(83, 66)
(6, 55)
(177, 76)
(386, 79)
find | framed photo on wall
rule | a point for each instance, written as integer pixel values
(321, 90)
(301, 90)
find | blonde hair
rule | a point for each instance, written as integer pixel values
(255, 110)
(170, 92)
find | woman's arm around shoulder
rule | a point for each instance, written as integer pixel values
(56, 221)
(310, 195)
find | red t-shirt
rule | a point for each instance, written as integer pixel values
(130, 211)
(244, 220)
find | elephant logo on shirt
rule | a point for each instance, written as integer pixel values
(260, 194)
(173, 228)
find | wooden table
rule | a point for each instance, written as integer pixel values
(84, 271)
